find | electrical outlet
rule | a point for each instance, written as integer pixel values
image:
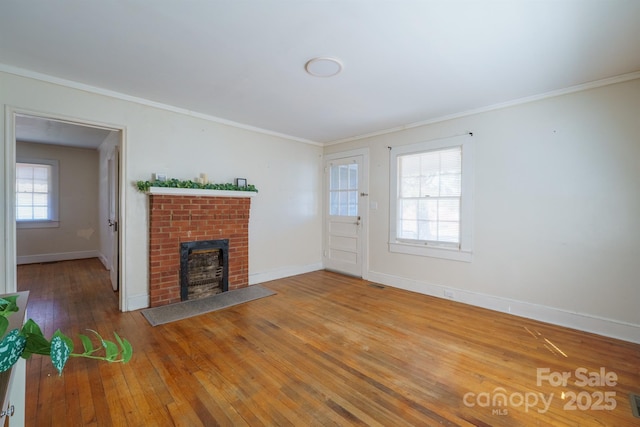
(448, 293)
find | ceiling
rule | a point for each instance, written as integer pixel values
(404, 61)
(47, 131)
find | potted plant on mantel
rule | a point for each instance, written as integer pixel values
(29, 340)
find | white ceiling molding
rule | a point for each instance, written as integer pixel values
(124, 97)
(552, 94)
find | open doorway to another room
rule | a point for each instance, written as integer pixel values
(67, 200)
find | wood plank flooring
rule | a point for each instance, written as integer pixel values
(326, 350)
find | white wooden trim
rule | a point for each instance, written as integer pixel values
(280, 273)
(171, 191)
(59, 256)
(581, 321)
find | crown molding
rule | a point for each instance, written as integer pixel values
(552, 94)
(21, 72)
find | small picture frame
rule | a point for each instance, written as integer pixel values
(241, 182)
(161, 177)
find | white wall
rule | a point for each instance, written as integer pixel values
(556, 215)
(77, 234)
(285, 224)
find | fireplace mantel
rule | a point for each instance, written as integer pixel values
(200, 192)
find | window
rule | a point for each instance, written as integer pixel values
(343, 189)
(36, 193)
(431, 185)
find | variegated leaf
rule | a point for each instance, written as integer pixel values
(11, 349)
(59, 353)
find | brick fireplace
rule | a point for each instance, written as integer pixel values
(177, 218)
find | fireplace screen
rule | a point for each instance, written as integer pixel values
(203, 268)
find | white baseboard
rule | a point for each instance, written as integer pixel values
(104, 261)
(584, 322)
(137, 302)
(61, 256)
(281, 273)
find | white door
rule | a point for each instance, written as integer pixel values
(345, 214)
(113, 218)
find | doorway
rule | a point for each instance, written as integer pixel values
(50, 132)
(346, 213)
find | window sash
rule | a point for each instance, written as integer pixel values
(429, 201)
(36, 191)
(343, 190)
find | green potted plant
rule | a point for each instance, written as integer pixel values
(29, 340)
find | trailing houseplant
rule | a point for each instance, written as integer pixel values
(30, 340)
(176, 183)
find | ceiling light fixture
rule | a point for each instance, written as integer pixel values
(324, 66)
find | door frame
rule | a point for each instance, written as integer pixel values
(363, 204)
(10, 197)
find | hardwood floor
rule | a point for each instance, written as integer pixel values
(326, 350)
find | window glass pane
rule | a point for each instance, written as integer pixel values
(451, 160)
(410, 165)
(353, 176)
(428, 230)
(24, 186)
(333, 203)
(40, 186)
(24, 171)
(40, 213)
(408, 210)
(24, 213)
(408, 229)
(429, 163)
(450, 184)
(449, 232)
(40, 199)
(344, 177)
(449, 210)
(41, 173)
(410, 186)
(334, 180)
(24, 199)
(353, 203)
(342, 204)
(430, 185)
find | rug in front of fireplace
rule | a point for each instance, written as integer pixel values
(185, 309)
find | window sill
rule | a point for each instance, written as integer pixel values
(421, 250)
(37, 224)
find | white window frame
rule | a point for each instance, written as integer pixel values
(53, 195)
(461, 252)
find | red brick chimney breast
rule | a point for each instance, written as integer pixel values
(185, 218)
